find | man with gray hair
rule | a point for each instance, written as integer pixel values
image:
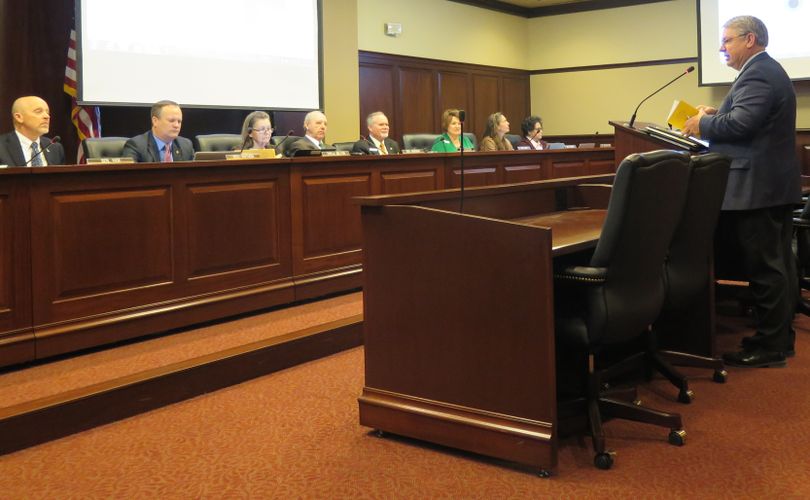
(378, 142)
(756, 126)
(315, 133)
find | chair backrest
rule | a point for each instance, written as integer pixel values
(104, 147)
(687, 265)
(217, 142)
(343, 146)
(645, 206)
(471, 137)
(284, 143)
(418, 141)
(514, 139)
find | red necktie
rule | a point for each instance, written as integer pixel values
(167, 153)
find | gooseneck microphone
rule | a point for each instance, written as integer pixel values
(280, 147)
(633, 118)
(461, 116)
(247, 136)
(54, 140)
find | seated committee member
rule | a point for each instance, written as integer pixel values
(315, 133)
(257, 131)
(26, 146)
(450, 140)
(532, 128)
(378, 142)
(494, 134)
(163, 143)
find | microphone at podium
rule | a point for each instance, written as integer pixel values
(633, 118)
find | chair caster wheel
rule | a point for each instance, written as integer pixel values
(543, 473)
(720, 376)
(686, 396)
(604, 460)
(677, 437)
(378, 433)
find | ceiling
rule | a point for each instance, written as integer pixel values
(538, 8)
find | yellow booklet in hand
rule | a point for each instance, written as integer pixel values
(680, 112)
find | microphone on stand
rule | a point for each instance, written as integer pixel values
(461, 116)
(280, 144)
(54, 140)
(247, 136)
(633, 118)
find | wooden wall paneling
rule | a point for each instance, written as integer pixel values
(596, 167)
(99, 244)
(16, 334)
(515, 101)
(486, 96)
(410, 176)
(417, 98)
(377, 94)
(237, 229)
(454, 90)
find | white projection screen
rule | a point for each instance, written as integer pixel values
(787, 22)
(254, 54)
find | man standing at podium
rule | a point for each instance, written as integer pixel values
(755, 126)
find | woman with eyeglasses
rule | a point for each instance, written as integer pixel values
(257, 131)
(494, 134)
(532, 128)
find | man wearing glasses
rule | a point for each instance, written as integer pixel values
(755, 126)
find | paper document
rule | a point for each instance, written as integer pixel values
(680, 112)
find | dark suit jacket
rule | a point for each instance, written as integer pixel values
(526, 143)
(302, 143)
(143, 149)
(367, 147)
(11, 152)
(756, 126)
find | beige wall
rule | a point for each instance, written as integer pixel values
(584, 101)
(570, 103)
(340, 70)
(438, 29)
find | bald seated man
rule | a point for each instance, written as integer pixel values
(163, 142)
(315, 127)
(26, 146)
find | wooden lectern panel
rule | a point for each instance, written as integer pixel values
(409, 182)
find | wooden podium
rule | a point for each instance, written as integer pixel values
(629, 140)
(459, 316)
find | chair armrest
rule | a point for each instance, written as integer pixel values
(801, 223)
(582, 274)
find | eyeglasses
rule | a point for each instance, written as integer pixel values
(725, 41)
(263, 129)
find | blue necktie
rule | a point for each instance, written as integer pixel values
(36, 160)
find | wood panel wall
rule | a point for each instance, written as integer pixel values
(413, 92)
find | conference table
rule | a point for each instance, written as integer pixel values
(459, 313)
(96, 254)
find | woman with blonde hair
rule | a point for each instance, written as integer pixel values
(257, 130)
(494, 134)
(451, 140)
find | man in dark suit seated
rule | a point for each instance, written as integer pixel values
(315, 127)
(26, 146)
(163, 143)
(378, 142)
(755, 126)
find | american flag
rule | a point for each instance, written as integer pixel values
(87, 120)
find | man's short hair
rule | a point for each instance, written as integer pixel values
(371, 116)
(157, 108)
(311, 116)
(749, 24)
(529, 123)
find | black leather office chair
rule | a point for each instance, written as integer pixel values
(686, 270)
(514, 139)
(104, 147)
(217, 142)
(343, 146)
(419, 141)
(801, 230)
(615, 298)
(474, 140)
(284, 142)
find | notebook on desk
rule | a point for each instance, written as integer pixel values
(676, 138)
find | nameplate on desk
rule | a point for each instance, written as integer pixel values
(412, 151)
(333, 152)
(252, 154)
(121, 159)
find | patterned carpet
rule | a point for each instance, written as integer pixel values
(295, 434)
